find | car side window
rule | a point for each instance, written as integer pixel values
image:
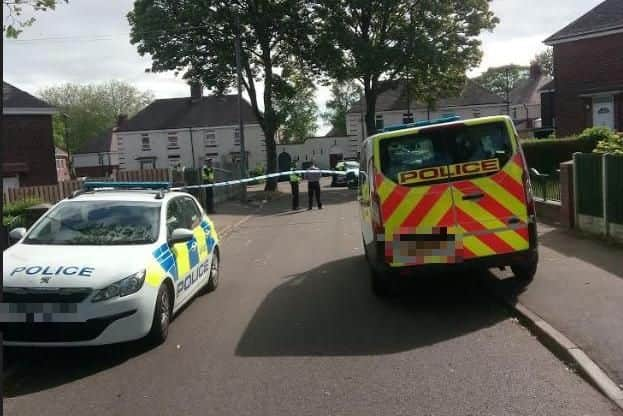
(175, 218)
(192, 213)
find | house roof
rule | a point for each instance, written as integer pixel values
(396, 99)
(13, 97)
(97, 144)
(177, 113)
(528, 90)
(605, 17)
(549, 86)
(60, 152)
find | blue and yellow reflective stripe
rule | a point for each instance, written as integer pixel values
(193, 253)
(166, 260)
(182, 258)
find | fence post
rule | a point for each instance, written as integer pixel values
(575, 189)
(604, 183)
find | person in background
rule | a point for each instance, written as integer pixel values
(294, 183)
(313, 176)
(207, 175)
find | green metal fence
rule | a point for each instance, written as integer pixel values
(545, 186)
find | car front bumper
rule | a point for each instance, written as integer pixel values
(82, 324)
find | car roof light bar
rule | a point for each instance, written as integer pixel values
(94, 185)
(422, 123)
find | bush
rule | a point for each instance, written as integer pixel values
(596, 134)
(546, 155)
(611, 144)
(13, 212)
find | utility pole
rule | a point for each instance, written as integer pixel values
(243, 154)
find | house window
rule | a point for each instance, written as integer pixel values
(172, 142)
(514, 114)
(476, 113)
(236, 136)
(379, 123)
(145, 142)
(147, 164)
(174, 161)
(407, 118)
(209, 139)
(100, 159)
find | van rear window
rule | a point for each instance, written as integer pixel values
(434, 155)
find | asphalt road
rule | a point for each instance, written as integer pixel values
(295, 330)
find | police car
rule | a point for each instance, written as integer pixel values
(113, 263)
(351, 175)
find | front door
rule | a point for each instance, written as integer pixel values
(603, 112)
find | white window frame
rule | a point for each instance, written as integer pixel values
(145, 142)
(173, 141)
(144, 162)
(209, 139)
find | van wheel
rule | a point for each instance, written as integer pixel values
(214, 272)
(162, 316)
(525, 272)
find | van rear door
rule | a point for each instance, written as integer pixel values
(415, 198)
(487, 189)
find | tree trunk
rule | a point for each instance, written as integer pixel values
(271, 157)
(370, 95)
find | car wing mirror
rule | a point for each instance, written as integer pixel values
(180, 235)
(17, 234)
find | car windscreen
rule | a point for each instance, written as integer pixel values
(452, 152)
(97, 223)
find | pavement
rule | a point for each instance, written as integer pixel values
(293, 328)
(578, 290)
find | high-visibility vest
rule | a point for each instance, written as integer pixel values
(295, 178)
(207, 174)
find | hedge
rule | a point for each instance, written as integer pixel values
(13, 213)
(546, 155)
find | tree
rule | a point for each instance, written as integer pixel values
(503, 79)
(197, 39)
(13, 14)
(343, 96)
(298, 106)
(91, 109)
(545, 60)
(379, 42)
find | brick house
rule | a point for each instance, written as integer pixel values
(28, 156)
(188, 131)
(588, 72)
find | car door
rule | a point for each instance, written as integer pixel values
(488, 190)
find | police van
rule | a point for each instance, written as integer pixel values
(443, 193)
(113, 263)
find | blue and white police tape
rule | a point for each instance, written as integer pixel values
(258, 178)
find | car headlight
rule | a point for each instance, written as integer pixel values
(121, 288)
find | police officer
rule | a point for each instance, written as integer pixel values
(294, 183)
(207, 175)
(313, 176)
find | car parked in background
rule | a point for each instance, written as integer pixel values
(351, 178)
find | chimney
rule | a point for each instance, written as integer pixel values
(535, 70)
(196, 90)
(122, 120)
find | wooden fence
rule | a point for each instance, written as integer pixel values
(55, 193)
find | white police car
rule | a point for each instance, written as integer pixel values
(107, 265)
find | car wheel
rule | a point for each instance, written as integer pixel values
(162, 315)
(383, 284)
(525, 272)
(214, 272)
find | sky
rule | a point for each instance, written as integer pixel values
(87, 41)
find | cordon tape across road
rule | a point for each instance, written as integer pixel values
(256, 178)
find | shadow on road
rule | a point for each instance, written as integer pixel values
(29, 370)
(598, 253)
(330, 310)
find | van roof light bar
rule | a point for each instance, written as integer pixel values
(422, 123)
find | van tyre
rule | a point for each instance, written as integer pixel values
(162, 316)
(213, 280)
(525, 272)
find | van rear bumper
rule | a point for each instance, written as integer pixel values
(498, 260)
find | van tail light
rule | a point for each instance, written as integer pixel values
(377, 217)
